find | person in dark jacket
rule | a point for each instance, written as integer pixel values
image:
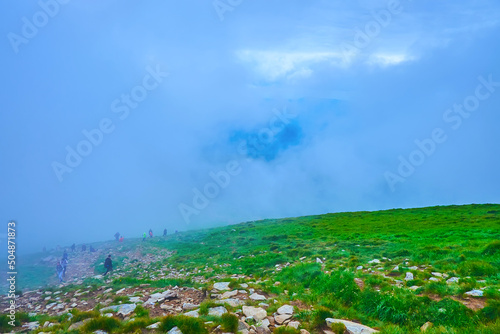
(108, 264)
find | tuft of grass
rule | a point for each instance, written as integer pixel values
(338, 328)
(319, 316)
(103, 323)
(79, 315)
(187, 325)
(492, 248)
(229, 323)
(286, 330)
(477, 268)
(141, 312)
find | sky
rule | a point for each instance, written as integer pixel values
(125, 116)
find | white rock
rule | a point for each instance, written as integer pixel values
(318, 260)
(194, 314)
(374, 261)
(353, 327)
(285, 309)
(434, 279)
(189, 306)
(256, 296)
(217, 311)
(229, 294)
(453, 280)
(281, 318)
(294, 324)
(409, 276)
(437, 274)
(154, 326)
(475, 293)
(175, 330)
(359, 267)
(124, 309)
(258, 313)
(233, 302)
(222, 286)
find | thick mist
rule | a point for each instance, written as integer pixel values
(184, 115)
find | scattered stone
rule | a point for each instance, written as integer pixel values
(318, 260)
(294, 324)
(79, 324)
(409, 276)
(124, 309)
(32, 325)
(175, 330)
(229, 294)
(359, 267)
(426, 326)
(434, 279)
(189, 306)
(154, 326)
(285, 309)
(353, 327)
(233, 302)
(396, 268)
(194, 314)
(437, 274)
(281, 318)
(258, 313)
(475, 293)
(374, 261)
(453, 280)
(222, 286)
(256, 296)
(217, 311)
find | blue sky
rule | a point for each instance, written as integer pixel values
(208, 113)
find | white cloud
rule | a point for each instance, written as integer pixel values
(277, 65)
(388, 59)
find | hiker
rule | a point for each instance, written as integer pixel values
(108, 264)
(117, 236)
(65, 255)
(59, 269)
(165, 232)
(144, 237)
(64, 265)
(73, 247)
(92, 249)
(84, 248)
(150, 233)
(121, 239)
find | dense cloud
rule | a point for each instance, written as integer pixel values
(162, 115)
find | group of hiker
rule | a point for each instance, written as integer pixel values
(108, 263)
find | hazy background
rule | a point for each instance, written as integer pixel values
(355, 105)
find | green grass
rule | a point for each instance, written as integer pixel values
(454, 240)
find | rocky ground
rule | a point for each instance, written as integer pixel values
(251, 305)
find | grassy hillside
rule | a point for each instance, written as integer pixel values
(392, 270)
